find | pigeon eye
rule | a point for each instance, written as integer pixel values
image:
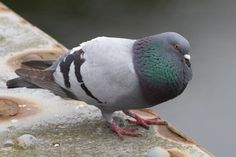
(176, 46)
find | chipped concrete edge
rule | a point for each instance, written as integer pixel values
(188, 139)
(55, 45)
(173, 136)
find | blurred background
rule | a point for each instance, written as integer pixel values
(206, 110)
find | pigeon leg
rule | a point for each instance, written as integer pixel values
(123, 131)
(144, 122)
(115, 127)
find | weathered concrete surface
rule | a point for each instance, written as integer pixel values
(63, 128)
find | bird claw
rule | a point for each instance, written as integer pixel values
(124, 131)
(144, 125)
(146, 122)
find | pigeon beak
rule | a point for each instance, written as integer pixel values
(187, 56)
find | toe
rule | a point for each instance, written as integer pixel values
(124, 131)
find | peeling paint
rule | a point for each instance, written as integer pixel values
(3, 8)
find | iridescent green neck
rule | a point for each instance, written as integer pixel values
(158, 71)
(153, 64)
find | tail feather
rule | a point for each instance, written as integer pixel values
(38, 64)
(35, 78)
(34, 75)
(19, 82)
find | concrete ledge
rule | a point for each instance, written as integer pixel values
(62, 127)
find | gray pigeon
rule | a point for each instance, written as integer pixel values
(116, 74)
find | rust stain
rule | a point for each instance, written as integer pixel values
(164, 130)
(60, 47)
(25, 108)
(168, 132)
(149, 111)
(8, 108)
(3, 8)
(13, 61)
(145, 113)
(177, 153)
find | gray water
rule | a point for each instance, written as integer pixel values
(206, 110)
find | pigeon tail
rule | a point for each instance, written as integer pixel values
(19, 82)
(35, 78)
(38, 64)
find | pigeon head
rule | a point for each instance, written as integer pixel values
(162, 63)
(175, 43)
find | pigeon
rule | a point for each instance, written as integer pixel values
(116, 74)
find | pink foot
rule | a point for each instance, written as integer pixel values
(145, 122)
(123, 131)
